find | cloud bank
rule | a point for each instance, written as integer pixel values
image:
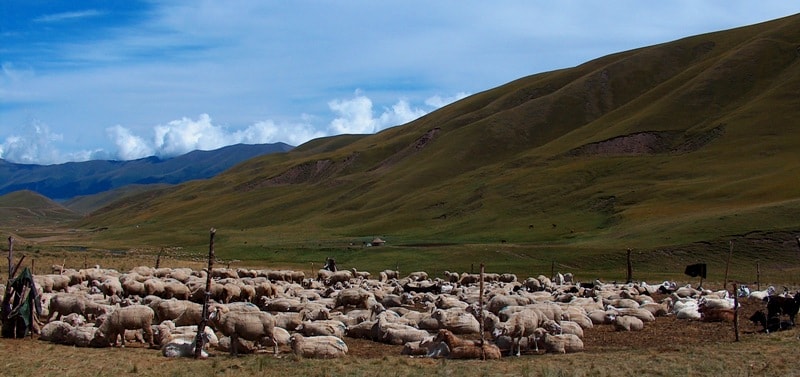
(356, 115)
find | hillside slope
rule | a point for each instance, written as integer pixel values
(27, 208)
(668, 144)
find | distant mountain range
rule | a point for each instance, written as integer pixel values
(72, 179)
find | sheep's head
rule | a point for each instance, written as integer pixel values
(500, 330)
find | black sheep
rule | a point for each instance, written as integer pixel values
(779, 305)
(770, 324)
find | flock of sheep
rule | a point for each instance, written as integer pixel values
(253, 310)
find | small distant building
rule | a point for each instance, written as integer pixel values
(377, 242)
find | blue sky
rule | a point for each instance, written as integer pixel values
(127, 79)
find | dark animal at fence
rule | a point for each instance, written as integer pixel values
(771, 324)
(330, 265)
(780, 305)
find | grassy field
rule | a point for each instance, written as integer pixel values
(753, 355)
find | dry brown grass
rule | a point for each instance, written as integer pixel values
(755, 354)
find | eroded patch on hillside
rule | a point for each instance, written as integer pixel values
(307, 172)
(412, 149)
(650, 142)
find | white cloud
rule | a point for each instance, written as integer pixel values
(185, 135)
(38, 146)
(129, 146)
(355, 116)
(438, 101)
(352, 116)
(58, 17)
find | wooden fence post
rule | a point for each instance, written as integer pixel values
(736, 311)
(480, 317)
(201, 328)
(10, 258)
(630, 268)
(758, 275)
(727, 266)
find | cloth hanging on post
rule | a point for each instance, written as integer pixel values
(695, 270)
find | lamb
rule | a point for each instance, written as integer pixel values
(182, 347)
(322, 347)
(520, 324)
(249, 325)
(342, 276)
(467, 279)
(320, 328)
(132, 287)
(395, 333)
(357, 297)
(715, 303)
(565, 343)
(426, 347)
(176, 289)
(363, 330)
(457, 321)
(717, 315)
(84, 336)
(499, 302)
(111, 286)
(451, 277)
(55, 332)
(626, 322)
(657, 309)
(467, 349)
(564, 327)
(761, 295)
(65, 303)
(642, 314)
(387, 275)
(132, 317)
(183, 312)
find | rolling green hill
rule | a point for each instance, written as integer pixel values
(27, 208)
(695, 140)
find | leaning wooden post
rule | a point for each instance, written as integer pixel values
(630, 268)
(480, 310)
(158, 258)
(727, 266)
(758, 275)
(198, 350)
(10, 258)
(736, 311)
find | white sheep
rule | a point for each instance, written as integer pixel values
(520, 324)
(134, 317)
(626, 323)
(55, 332)
(457, 320)
(65, 303)
(564, 327)
(322, 347)
(183, 347)
(249, 325)
(565, 343)
(323, 327)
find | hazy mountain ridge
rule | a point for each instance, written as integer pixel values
(72, 179)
